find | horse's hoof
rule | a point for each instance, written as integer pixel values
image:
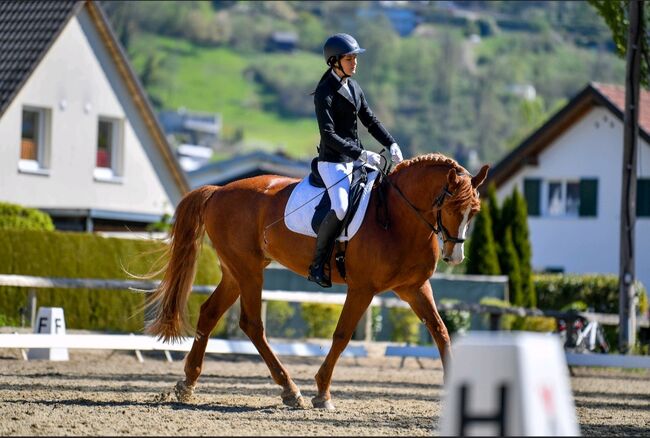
(183, 391)
(294, 400)
(320, 403)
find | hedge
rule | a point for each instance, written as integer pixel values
(600, 292)
(16, 217)
(83, 255)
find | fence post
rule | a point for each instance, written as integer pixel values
(31, 299)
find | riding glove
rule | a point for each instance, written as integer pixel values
(396, 153)
(370, 158)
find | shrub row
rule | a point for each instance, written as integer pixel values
(16, 217)
(83, 255)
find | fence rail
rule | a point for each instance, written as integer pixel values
(138, 342)
(495, 312)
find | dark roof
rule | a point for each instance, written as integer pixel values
(27, 30)
(593, 95)
(247, 165)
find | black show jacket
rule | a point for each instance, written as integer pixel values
(337, 114)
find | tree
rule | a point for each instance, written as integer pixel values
(615, 14)
(482, 254)
(510, 266)
(515, 216)
(495, 212)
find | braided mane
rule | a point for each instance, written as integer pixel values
(464, 196)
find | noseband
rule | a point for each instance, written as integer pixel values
(440, 199)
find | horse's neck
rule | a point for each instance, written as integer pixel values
(420, 184)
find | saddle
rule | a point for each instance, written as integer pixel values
(359, 181)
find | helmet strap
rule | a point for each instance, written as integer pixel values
(340, 67)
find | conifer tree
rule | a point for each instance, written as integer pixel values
(482, 255)
(518, 220)
(510, 267)
(495, 213)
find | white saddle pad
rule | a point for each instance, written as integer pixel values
(305, 198)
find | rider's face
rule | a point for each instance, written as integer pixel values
(349, 64)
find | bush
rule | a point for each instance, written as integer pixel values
(600, 292)
(83, 255)
(405, 324)
(16, 217)
(278, 317)
(456, 321)
(320, 319)
(523, 323)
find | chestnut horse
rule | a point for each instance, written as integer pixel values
(427, 194)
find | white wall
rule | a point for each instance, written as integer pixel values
(591, 148)
(77, 70)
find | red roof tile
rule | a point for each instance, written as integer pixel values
(616, 95)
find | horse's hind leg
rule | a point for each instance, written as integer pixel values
(421, 301)
(211, 312)
(251, 324)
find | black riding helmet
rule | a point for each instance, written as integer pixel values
(337, 46)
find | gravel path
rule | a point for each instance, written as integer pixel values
(104, 393)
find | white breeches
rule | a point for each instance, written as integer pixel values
(337, 177)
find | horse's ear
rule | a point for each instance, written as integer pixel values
(452, 178)
(480, 176)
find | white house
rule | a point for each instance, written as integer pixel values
(570, 172)
(78, 136)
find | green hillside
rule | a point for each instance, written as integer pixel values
(445, 87)
(220, 80)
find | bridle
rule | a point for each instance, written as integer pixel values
(437, 203)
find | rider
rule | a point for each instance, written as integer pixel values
(339, 101)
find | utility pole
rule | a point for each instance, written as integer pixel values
(626, 290)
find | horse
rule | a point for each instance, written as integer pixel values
(427, 195)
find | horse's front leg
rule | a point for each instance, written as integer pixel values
(355, 305)
(421, 301)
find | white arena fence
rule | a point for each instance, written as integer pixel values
(140, 343)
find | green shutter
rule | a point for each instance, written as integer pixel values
(532, 193)
(588, 197)
(643, 197)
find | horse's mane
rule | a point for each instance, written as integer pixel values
(464, 196)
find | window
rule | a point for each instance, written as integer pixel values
(563, 198)
(531, 194)
(34, 140)
(643, 197)
(107, 159)
(555, 200)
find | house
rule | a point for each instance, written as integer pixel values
(246, 166)
(282, 42)
(193, 127)
(570, 173)
(79, 137)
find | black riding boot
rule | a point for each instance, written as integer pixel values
(327, 234)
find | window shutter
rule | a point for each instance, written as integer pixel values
(588, 197)
(532, 193)
(643, 197)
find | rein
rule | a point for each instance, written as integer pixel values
(440, 199)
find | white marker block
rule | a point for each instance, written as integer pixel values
(508, 384)
(50, 321)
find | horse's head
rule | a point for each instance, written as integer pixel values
(456, 205)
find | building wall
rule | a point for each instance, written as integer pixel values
(78, 82)
(592, 148)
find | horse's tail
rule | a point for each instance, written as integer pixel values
(168, 302)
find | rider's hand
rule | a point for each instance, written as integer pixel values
(371, 158)
(396, 153)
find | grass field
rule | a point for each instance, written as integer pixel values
(218, 80)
